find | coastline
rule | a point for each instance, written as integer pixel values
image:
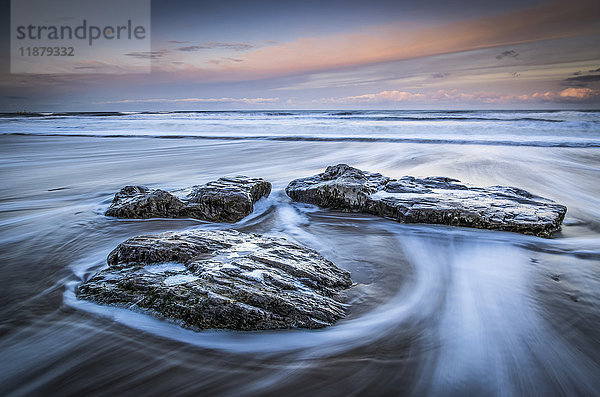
(414, 280)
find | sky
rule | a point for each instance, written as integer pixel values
(430, 54)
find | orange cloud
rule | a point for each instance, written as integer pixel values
(383, 96)
(456, 96)
(578, 93)
(394, 42)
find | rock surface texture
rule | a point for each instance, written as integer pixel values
(227, 199)
(221, 279)
(436, 200)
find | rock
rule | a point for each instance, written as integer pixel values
(221, 279)
(141, 202)
(436, 200)
(227, 199)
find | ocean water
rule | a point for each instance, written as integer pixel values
(436, 310)
(526, 128)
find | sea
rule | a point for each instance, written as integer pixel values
(437, 310)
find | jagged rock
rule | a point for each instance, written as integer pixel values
(437, 200)
(225, 200)
(221, 279)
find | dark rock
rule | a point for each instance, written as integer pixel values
(141, 202)
(436, 200)
(224, 200)
(221, 279)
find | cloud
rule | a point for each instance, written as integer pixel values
(581, 81)
(218, 45)
(232, 46)
(190, 48)
(477, 97)
(578, 93)
(455, 96)
(392, 96)
(88, 64)
(509, 53)
(394, 42)
(94, 66)
(178, 42)
(246, 101)
(380, 97)
(224, 59)
(440, 75)
(148, 54)
(538, 96)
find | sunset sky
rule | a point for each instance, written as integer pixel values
(429, 54)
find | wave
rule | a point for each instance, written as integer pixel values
(409, 118)
(292, 138)
(362, 115)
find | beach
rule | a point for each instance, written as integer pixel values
(436, 310)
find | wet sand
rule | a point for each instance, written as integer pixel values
(437, 310)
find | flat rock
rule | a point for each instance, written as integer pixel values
(227, 199)
(435, 200)
(221, 279)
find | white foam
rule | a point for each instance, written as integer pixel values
(180, 279)
(165, 267)
(246, 246)
(256, 274)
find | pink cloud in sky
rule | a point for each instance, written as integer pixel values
(578, 93)
(406, 41)
(394, 96)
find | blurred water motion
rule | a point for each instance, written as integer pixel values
(437, 310)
